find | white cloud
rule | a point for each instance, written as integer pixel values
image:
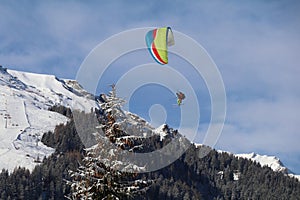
(264, 125)
(254, 44)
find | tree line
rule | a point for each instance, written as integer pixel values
(215, 176)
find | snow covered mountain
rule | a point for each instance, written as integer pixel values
(24, 116)
(24, 102)
(271, 161)
(264, 160)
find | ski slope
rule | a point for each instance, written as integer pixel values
(24, 116)
(20, 136)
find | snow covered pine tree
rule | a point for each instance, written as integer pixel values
(99, 176)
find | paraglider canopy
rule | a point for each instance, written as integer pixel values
(157, 41)
(180, 97)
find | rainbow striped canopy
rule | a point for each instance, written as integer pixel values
(157, 41)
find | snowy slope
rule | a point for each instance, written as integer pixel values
(24, 116)
(264, 160)
(49, 90)
(160, 131)
(271, 161)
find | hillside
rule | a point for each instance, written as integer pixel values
(216, 176)
(41, 124)
(24, 102)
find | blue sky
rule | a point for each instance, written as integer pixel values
(255, 45)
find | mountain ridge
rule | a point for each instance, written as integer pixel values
(52, 133)
(43, 91)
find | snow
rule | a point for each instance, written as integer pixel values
(294, 176)
(47, 89)
(221, 174)
(271, 161)
(20, 141)
(264, 160)
(159, 131)
(24, 102)
(236, 175)
(24, 118)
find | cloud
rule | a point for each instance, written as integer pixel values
(255, 44)
(262, 126)
(56, 35)
(267, 121)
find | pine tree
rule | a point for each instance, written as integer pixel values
(99, 177)
(96, 180)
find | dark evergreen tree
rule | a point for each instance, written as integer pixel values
(215, 176)
(99, 177)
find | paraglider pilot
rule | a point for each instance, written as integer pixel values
(180, 97)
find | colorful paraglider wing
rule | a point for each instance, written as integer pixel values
(157, 41)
